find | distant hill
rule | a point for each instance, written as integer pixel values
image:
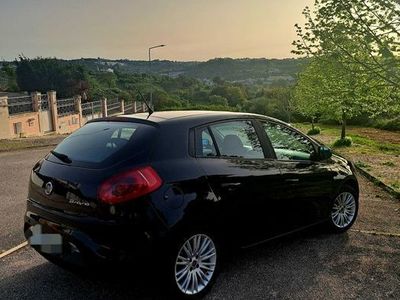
(165, 67)
(245, 70)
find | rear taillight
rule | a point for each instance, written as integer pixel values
(129, 185)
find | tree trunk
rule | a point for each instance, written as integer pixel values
(312, 123)
(343, 134)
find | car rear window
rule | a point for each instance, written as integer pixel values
(104, 143)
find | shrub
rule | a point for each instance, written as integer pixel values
(393, 124)
(346, 142)
(314, 131)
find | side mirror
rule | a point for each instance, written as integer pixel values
(324, 152)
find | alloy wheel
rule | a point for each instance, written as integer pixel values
(195, 264)
(343, 210)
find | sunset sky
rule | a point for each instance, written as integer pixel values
(192, 29)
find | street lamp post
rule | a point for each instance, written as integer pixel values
(151, 92)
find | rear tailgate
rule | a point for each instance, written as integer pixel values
(68, 178)
(69, 189)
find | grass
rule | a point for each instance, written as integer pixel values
(363, 165)
(396, 185)
(368, 145)
(375, 151)
(389, 164)
(386, 147)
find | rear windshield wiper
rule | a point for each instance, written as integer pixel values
(61, 157)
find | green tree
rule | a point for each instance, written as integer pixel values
(274, 102)
(218, 80)
(307, 96)
(8, 78)
(261, 105)
(44, 74)
(163, 101)
(234, 94)
(355, 68)
(363, 32)
(218, 100)
(328, 88)
(283, 102)
(107, 79)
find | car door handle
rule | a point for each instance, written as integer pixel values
(292, 180)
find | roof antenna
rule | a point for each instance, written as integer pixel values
(145, 101)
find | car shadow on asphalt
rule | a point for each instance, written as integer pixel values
(268, 269)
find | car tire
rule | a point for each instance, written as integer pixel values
(193, 265)
(344, 210)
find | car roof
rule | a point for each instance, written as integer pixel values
(160, 116)
(189, 116)
(183, 118)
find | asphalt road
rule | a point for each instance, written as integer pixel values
(15, 168)
(363, 263)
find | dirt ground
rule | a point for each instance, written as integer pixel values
(377, 134)
(384, 167)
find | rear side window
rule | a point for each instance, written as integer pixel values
(205, 145)
(104, 143)
(237, 139)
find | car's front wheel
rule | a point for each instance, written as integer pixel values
(344, 210)
(194, 265)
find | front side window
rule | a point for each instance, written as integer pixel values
(237, 139)
(287, 143)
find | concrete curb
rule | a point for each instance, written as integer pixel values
(379, 183)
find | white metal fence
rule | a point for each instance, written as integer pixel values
(91, 108)
(113, 107)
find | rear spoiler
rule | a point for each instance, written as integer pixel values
(123, 118)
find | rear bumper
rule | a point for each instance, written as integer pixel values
(92, 239)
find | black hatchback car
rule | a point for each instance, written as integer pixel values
(181, 186)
